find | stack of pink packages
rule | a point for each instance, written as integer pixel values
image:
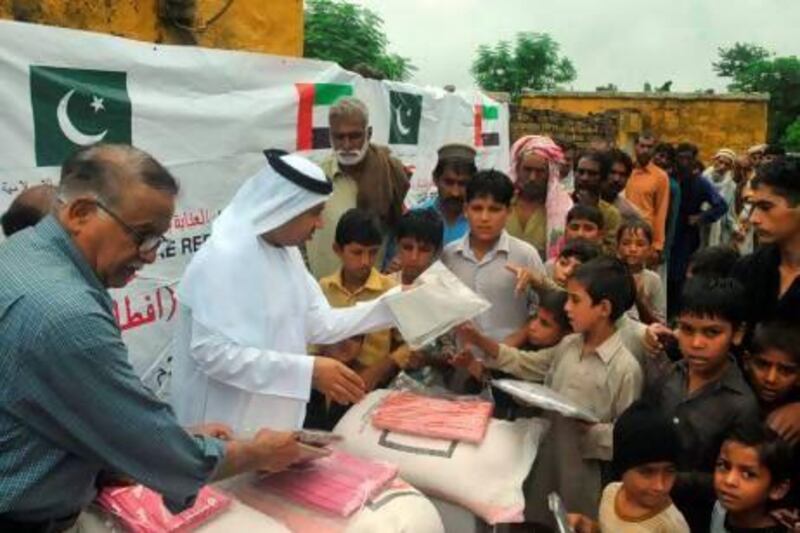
(452, 419)
(142, 511)
(339, 484)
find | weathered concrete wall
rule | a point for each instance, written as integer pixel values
(274, 26)
(710, 121)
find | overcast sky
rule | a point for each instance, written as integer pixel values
(625, 42)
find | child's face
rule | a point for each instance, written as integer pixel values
(486, 217)
(563, 269)
(633, 247)
(415, 256)
(649, 484)
(543, 330)
(357, 259)
(578, 228)
(741, 482)
(773, 373)
(582, 313)
(705, 342)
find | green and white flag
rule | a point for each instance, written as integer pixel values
(77, 107)
(406, 109)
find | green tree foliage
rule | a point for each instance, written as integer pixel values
(532, 62)
(353, 37)
(753, 69)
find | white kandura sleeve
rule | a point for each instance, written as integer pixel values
(326, 325)
(252, 369)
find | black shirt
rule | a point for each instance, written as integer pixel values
(759, 274)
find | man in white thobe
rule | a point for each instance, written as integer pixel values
(249, 308)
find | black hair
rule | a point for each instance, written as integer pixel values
(618, 156)
(774, 453)
(775, 149)
(18, 217)
(687, 147)
(554, 301)
(586, 212)
(358, 226)
(780, 335)
(633, 224)
(491, 183)
(607, 278)
(665, 148)
(424, 225)
(646, 134)
(783, 176)
(722, 298)
(462, 167)
(713, 261)
(602, 160)
(581, 249)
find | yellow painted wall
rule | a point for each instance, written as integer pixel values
(709, 121)
(269, 26)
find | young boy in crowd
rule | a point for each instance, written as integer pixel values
(419, 243)
(753, 473)
(378, 355)
(482, 257)
(705, 394)
(548, 325)
(635, 248)
(645, 452)
(585, 222)
(773, 368)
(713, 261)
(593, 369)
(575, 252)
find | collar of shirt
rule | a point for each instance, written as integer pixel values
(373, 284)
(464, 249)
(51, 230)
(731, 379)
(609, 348)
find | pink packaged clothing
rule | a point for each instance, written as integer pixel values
(142, 511)
(339, 484)
(425, 416)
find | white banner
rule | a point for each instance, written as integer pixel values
(206, 115)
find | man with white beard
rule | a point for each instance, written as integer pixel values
(720, 174)
(364, 175)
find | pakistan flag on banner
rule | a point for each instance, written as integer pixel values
(406, 116)
(76, 107)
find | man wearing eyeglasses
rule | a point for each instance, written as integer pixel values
(71, 405)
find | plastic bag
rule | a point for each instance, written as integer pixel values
(437, 302)
(545, 398)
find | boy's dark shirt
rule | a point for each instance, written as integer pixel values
(792, 500)
(703, 420)
(760, 275)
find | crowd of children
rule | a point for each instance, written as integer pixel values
(698, 411)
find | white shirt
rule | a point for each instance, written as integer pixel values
(251, 387)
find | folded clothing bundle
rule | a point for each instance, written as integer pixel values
(141, 510)
(415, 414)
(339, 484)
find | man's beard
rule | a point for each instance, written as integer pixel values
(452, 203)
(534, 191)
(352, 157)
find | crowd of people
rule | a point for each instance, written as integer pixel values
(655, 292)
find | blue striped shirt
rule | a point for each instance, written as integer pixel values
(70, 402)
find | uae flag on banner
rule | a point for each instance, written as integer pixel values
(486, 125)
(313, 132)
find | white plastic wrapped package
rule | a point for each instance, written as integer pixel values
(437, 302)
(538, 395)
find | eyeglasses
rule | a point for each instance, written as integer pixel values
(146, 243)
